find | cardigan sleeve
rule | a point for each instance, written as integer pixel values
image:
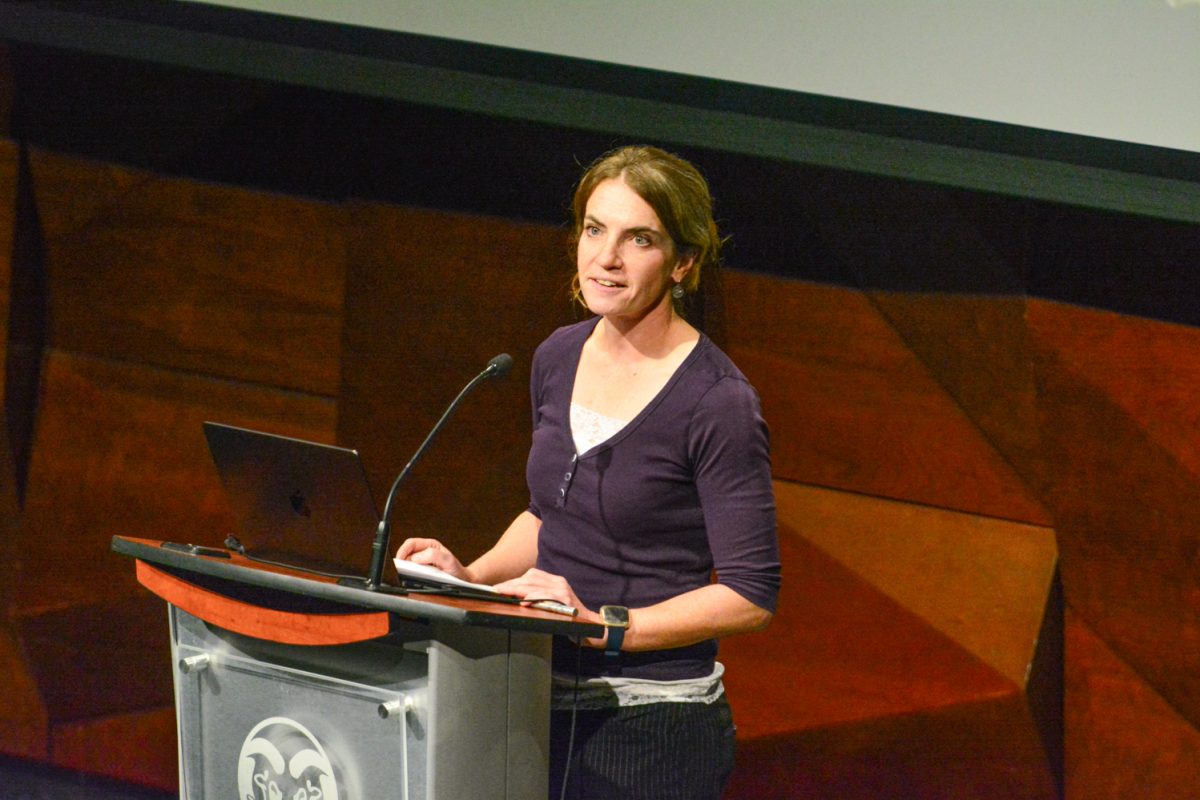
(729, 449)
(535, 398)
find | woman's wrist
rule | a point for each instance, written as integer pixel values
(596, 642)
(601, 642)
(471, 574)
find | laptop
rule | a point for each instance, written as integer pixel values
(300, 502)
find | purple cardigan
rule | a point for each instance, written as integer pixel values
(683, 490)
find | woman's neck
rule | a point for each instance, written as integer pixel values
(651, 337)
(622, 368)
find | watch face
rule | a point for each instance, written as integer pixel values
(616, 616)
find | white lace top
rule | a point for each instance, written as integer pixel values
(589, 429)
(593, 693)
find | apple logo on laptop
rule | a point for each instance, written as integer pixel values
(300, 505)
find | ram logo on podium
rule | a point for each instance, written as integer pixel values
(282, 760)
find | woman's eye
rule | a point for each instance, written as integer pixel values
(641, 240)
(592, 230)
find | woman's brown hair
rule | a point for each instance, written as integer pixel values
(671, 186)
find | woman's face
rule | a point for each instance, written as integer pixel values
(626, 261)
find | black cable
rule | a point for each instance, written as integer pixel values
(562, 795)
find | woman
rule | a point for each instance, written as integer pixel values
(648, 470)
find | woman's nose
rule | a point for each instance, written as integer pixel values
(610, 253)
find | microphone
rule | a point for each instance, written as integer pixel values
(498, 367)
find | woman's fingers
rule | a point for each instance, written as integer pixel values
(432, 553)
(410, 546)
(538, 585)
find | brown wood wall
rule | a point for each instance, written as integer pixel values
(938, 458)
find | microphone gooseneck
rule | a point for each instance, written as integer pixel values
(496, 368)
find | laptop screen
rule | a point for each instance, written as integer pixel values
(295, 501)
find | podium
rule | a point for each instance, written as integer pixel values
(291, 686)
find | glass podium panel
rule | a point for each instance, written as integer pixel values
(257, 723)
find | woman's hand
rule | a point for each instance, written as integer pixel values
(433, 553)
(538, 585)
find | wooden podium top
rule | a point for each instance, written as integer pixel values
(296, 607)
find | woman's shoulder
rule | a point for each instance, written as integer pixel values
(713, 366)
(567, 337)
(725, 407)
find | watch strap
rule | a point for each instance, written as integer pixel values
(612, 647)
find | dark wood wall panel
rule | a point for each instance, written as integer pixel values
(104, 658)
(138, 746)
(853, 692)
(1126, 505)
(8, 491)
(894, 663)
(119, 450)
(24, 725)
(9, 157)
(1149, 371)
(981, 581)
(852, 407)
(192, 276)
(23, 721)
(431, 297)
(980, 751)
(1125, 739)
(976, 348)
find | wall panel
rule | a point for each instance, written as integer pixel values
(8, 222)
(1126, 507)
(23, 721)
(981, 581)
(24, 725)
(1149, 371)
(24, 314)
(119, 450)
(191, 276)
(1124, 739)
(976, 348)
(883, 673)
(168, 303)
(894, 663)
(431, 297)
(100, 658)
(9, 166)
(852, 407)
(139, 746)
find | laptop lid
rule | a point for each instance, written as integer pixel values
(295, 501)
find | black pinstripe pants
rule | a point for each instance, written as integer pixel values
(660, 751)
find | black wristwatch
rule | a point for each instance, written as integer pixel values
(616, 620)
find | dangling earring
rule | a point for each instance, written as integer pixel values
(677, 291)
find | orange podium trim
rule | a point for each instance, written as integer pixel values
(262, 623)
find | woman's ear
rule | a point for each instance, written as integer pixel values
(687, 258)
